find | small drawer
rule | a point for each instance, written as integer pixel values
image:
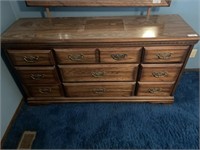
(160, 72)
(120, 55)
(155, 88)
(100, 72)
(45, 90)
(75, 55)
(38, 75)
(103, 89)
(165, 54)
(31, 57)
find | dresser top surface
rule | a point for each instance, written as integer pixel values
(99, 29)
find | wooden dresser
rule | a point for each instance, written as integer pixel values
(99, 59)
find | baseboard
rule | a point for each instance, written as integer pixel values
(192, 69)
(12, 122)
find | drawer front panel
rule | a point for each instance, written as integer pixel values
(45, 90)
(114, 72)
(102, 89)
(31, 57)
(38, 75)
(155, 89)
(75, 55)
(120, 55)
(165, 54)
(160, 72)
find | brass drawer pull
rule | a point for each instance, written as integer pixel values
(164, 55)
(118, 56)
(99, 91)
(160, 74)
(37, 76)
(154, 90)
(45, 90)
(76, 57)
(98, 74)
(31, 59)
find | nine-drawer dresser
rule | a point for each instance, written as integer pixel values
(99, 59)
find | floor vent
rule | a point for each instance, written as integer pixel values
(27, 140)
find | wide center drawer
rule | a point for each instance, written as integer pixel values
(100, 72)
(101, 89)
(38, 75)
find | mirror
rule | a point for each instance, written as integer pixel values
(99, 3)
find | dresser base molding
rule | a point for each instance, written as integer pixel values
(138, 99)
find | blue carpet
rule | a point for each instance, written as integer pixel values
(115, 125)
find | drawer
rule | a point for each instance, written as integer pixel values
(160, 72)
(120, 55)
(38, 75)
(165, 54)
(155, 88)
(103, 89)
(31, 57)
(99, 72)
(45, 90)
(75, 55)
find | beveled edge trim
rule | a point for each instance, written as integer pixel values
(29, 51)
(103, 83)
(40, 68)
(127, 43)
(158, 65)
(49, 100)
(156, 83)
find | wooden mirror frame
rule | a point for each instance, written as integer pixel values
(98, 3)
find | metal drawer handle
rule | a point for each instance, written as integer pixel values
(37, 76)
(99, 91)
(118, 56)
(164, 55)
(154, 90)
(160, 74)
(76, 57)
(98, 74)
(31, 59)
(45, 90)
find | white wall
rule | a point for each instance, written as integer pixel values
(10, 94)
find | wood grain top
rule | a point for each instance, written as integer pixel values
(61, 3)
(99, 29)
